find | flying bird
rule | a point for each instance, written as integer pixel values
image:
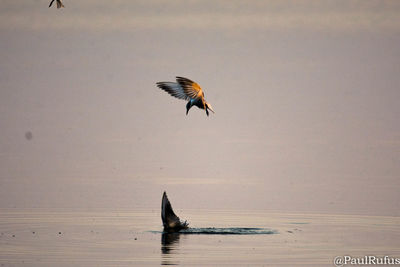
(187, 90)
(59, 3)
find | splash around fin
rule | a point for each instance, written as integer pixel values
(171, 222)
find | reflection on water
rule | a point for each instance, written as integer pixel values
(169, 245)
(170, 241)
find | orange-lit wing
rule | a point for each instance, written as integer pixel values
(190, 88)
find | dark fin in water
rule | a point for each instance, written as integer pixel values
(171, 222)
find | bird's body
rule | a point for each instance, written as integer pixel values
(188, 90)
(59, 3)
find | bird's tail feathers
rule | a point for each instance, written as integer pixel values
(59, 4)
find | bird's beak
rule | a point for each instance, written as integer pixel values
(210, 109)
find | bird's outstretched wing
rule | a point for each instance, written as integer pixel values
(168, 215)
(174, 89)
(190, 88)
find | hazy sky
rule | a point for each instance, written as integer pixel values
(306, 95)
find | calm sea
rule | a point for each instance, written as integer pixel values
(217, 238)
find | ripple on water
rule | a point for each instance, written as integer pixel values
(226, 231)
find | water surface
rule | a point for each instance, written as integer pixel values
(223, 238)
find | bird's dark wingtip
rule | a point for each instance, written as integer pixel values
(181, 79)
(161, 85)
